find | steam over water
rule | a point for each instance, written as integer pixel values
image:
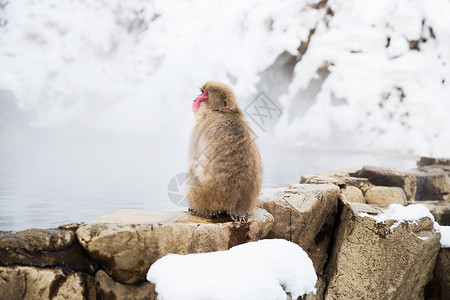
(49, 178)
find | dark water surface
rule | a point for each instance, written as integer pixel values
(49, 179)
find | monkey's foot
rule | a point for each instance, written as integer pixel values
(219, 215)
(210, 215)
(238, 218)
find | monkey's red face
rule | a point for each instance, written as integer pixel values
(199, 100)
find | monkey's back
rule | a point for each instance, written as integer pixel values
(225, 165)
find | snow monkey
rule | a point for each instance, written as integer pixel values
(225, 168)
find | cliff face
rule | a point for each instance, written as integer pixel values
(367, 250)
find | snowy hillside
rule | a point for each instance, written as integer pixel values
(367, 75)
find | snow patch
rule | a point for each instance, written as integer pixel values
(410, 214)
(256, 270)
(445, 236)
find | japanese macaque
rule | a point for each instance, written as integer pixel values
(225, 168)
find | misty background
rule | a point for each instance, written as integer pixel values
(95, 96)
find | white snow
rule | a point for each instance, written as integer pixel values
(122, 66)
(134, 66)
(256, 270)
(445, 236)
(399, 213)
(378, 94)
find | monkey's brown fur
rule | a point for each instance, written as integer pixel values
(225, 166)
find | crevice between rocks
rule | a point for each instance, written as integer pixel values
(291, 208)
(56, 285)
(331, 247)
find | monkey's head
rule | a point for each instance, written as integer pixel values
(215, 96)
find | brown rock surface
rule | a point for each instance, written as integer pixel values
(109, 289)
(390, 177)
(127, 242)
(352, 194)
(440, 211)
(336, 179)
(43, 248)
(371, 260)
(439, 288)
(380, 195)
(304, 214)
(426, 161)
(35, 283)
(433, 183)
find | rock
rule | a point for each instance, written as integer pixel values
(304, 214)
(37, 239)
(440, 211)
(346, 172)
(439, 287)
(380, 195)
(35, 283)
(371, 260)
(352, 194)
(433, 183)
(336, 179)
(426, 161)
(390, 177)
(109, 289)
(44, 248)
(321, 179)
(127, 242)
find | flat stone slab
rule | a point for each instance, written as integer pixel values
(390, 177)
(132, 216)
(337, 179)
(426, 161)
(127, 242)
(44, 248)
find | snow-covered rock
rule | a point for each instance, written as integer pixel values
(365, 75)
(304, 214)
(385, 253)
(374, 75)
(266, 269)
